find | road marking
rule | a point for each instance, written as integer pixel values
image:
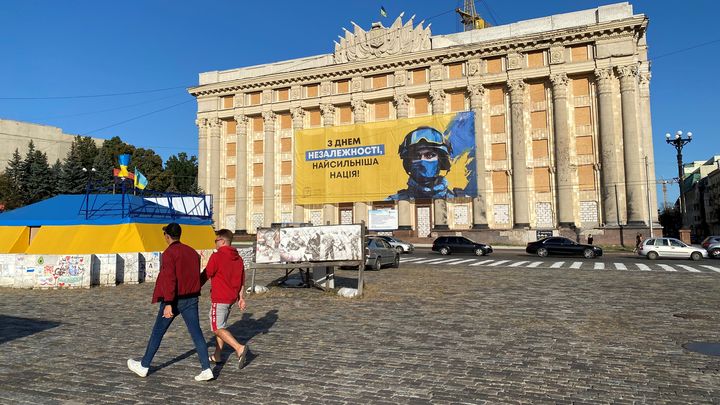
(666, 267)
(430, 261)
(482, 262)
(453, 261)
(534, 264)
(499, 263)
(688, 268)
(713, 268)
(599, 266)
(576, 265)
(409, 259)
(557, 265)
(517, 264)
(464, 261)
(643, 267)
(620, 266)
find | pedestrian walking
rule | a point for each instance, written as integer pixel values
(226, 272)
(590, 239)
(638, 242)
(176, 290)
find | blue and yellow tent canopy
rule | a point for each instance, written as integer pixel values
(113, 224)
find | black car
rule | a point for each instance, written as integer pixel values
(556, 245)
(459, 244)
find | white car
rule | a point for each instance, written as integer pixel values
(670, 248)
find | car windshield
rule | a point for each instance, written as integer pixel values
(677, 243)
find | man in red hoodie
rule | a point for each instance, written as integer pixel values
(226, 272)
(177, 290)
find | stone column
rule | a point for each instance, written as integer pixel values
(359, 107)
(634, 164)
(563, 169)
(269, 168)
(241, 188)
(520, 192)
(298, 120)
(328, 118)
(401, 102)
(203, 154)
(646, 125)
(608, 159)
(477, 97)
(214, 166)
(437, 97)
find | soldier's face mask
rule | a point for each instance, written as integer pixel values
(424, 170)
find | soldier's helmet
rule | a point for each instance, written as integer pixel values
(425, 137)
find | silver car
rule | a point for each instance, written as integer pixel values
(400, 245)
(380, 253)
(670, 248)
(713, 250)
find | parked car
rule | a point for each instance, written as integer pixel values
(714, 250)
(379, 253)
(654, 248)
(460, 244)
(556, 245)
(399, 245)
(709, 241)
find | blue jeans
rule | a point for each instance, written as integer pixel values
(188, 308)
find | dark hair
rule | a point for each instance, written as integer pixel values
(173, 230)
(225, 234)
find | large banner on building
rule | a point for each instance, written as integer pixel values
(406, 159)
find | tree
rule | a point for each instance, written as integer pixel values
(10, 197)
(182, 173)
(73, 179)
(36, 183)
(107, 160)
(55, 172)
(671, 221)
(149, 164)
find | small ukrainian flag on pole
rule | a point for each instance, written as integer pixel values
(140, 180)
(383, 12)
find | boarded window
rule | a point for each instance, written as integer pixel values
(257, 147)
(497, 124)
(421, 105)
(285, 145)
(536, 59)
(230, 149)
(314, 117)
(382, 110)
(537, 92)
(342, 86)
(257, 194)
(538, 119)
(500, 182)
(580, 87)
(254, 98)
(257, 169)
(312, 90)
(419, 76)
(283, 94)
(455, 71)
(379, 81)
(579, 53)
(541, 176)
(345, 114)
(257, 124)
(230, 127)
(286, 193)
(285, 168)
(499, 151)
(497, 96)
(285, 121)
(457, 101)
(494, 65)
(582, 116)
(230, 171)
(584, 145)
(230, 196)
(586, 177)
(227, 101)
(540, 148)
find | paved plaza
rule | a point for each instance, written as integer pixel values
(423, 333)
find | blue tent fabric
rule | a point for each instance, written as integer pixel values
(104, 209)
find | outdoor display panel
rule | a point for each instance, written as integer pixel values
(423, 157)
(309, 244)
(384, 219)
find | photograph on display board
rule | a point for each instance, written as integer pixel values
(267, 248)
(310, 243)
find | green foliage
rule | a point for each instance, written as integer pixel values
(671, 222)
(36, 183)
(72, 178)
(183, 173)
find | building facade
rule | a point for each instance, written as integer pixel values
(561, 125)
(701, 188)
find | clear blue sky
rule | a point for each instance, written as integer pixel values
(56, 48)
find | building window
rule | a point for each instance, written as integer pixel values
(254, 98)
(497, 96)
(584, 145)
(230, 127)
(313, 118)
(257, 195)
(342, 86)
(582, 116)
(282, 94)
(230, 149)
(379, 81)
(457, 101)
(419, 76)
(536, 59)
(257, 169)
(494, 65)
(497, 124)
(285, 121)
(286, 168)
(456, 70)
(227, 102)
(344, 114)
(230, 196)
(258, 147)
(286, 193)
(586, 177)
(500, 182)
(579, 53)
(498, 152)
(257, 124)
(312, 90)
(420, 105)
(538, 119)
(540, 148)
(381, 110)
(230, 171)
(541, 175)
(580, 87)
(285, 145)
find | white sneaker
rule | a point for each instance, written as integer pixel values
(206, 375)
(137, 368)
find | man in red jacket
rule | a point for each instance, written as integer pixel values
(226, 272)
(177, 290)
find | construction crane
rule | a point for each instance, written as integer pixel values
(469, 17)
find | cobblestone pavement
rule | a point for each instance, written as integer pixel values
(421, 334)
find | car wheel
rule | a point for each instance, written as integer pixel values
(399, 249)
(479, 252)
(696, 256)
(396, 262)
(715, 253)
(377, 265)
(542, 252)
(444, 251)
(652, 255)
(588, 253)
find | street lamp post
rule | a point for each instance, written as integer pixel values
(679, 142)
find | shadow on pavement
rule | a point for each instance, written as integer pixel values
(12, 327)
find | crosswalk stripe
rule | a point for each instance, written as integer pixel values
(713, 268)
(482, 262)
(498, 263)
(666, 267)
(464, 261)
(534, 264)
(620, 266)
(599, 266)
(557, 265)
(688, 268)
(409, 259)
(576, 265)
(517, 264)
(643, 267)
(430, 261)
(452, 261)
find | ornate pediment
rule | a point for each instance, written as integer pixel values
(380, 41)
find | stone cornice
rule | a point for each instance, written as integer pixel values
(613, 29)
